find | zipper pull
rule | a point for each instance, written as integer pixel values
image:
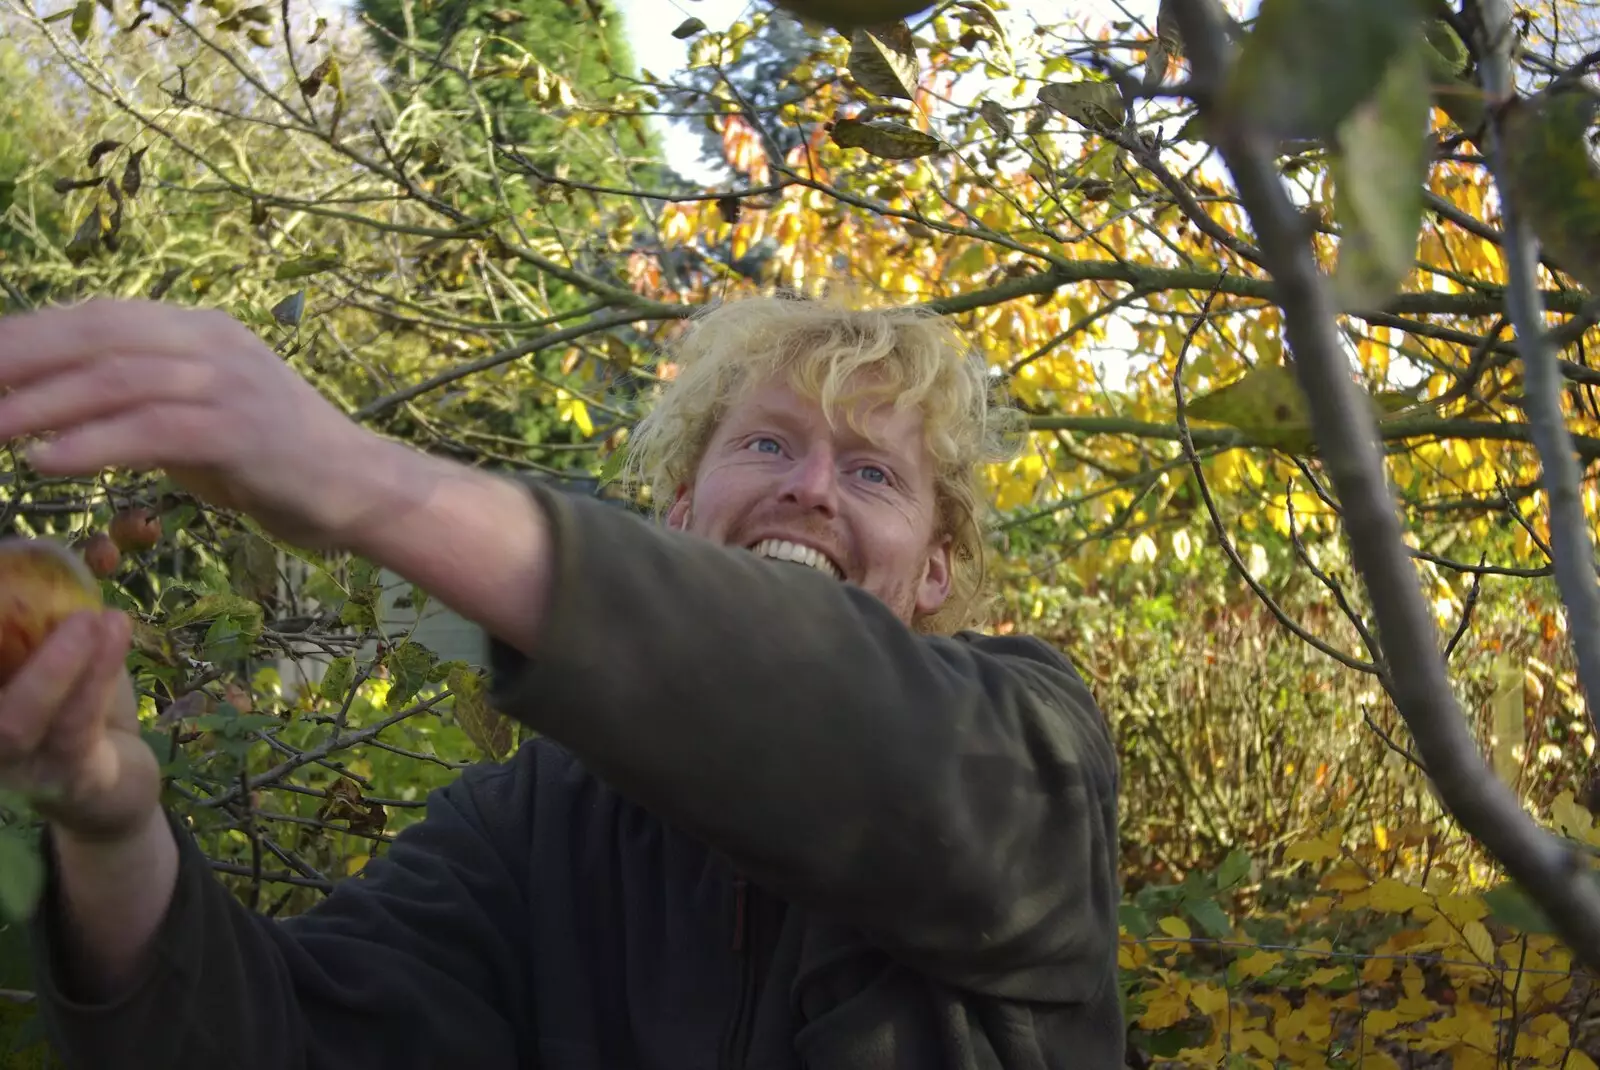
(739, 899)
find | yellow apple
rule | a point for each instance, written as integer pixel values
(42, 583)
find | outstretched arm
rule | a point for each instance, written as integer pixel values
(953, 796)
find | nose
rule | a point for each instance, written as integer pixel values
(812, 483)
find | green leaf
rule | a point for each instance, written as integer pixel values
(1210, 917)
(613, 466)
(688, 28)
(1553, 179)
(1136, 921)
(358, 615)
(883, 60)
(321, 585)
(1096, 105)
(1378, 176)
(336, 678)
(303, 266)
(252, 566)
(82, 19)
(215, 607)
(1267, 405)
(1308, 63)
(409, 665)
(1234, 868)
(21, 875)
(884, 139)
(1510, 905)
(488, 729)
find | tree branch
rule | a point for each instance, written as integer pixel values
(1586, 447)
(1573, 549)
(1342, 421)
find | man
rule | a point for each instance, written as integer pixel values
(775, 819)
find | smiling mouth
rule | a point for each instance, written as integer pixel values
(784, 550)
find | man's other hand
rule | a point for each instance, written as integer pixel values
(147, 385)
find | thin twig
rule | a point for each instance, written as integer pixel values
(1222, 532)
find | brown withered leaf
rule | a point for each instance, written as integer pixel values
(994, 113)
(114, 225)
(311, 84)
(100, 148)
(87, 237)
(1097, 105)
(883, 60)
(133, 173)
(884, 139)
(159, 289)
(67, 185)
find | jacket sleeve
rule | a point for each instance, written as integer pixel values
(955, 797)
(417, 962)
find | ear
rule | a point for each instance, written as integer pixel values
(678, 515)
(935, 586)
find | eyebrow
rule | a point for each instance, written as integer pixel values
(762, 413)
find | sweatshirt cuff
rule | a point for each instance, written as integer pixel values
(579, 528)
(172, 946)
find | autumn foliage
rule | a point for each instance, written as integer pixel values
(1296, 893)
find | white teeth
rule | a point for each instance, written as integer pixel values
(783, 550)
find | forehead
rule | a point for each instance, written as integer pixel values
(872, 418)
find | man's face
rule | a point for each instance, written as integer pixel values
(777, 479)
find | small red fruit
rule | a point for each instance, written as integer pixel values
(42, 583)
(101, 555)
(135, 530)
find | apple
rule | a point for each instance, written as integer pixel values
(42, 583)
(136, 529)
(100, 553)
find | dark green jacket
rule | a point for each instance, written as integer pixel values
(767, 827)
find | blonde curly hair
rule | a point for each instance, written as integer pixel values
(839, 356)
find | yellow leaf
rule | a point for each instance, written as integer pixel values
(354, 865)
(1209, 999)
(1376, 971)
(1257, 963)
(1577, 1060)
(1462, 908)
(1479, 940)
(1325, 975)
(1174, 927)
(1258, 1040)
(1380, 1022)
(1395, 897)
(1347, 878)
(580, 416)
(1166, 1009)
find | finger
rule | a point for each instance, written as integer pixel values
(152, 436)
(119, 382)
(38, 343)
(36, 696)
(86, 709)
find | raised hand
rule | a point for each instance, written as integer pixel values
(69, 731)
(146, 385)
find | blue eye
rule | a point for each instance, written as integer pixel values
(761, 445)
(873, 474)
